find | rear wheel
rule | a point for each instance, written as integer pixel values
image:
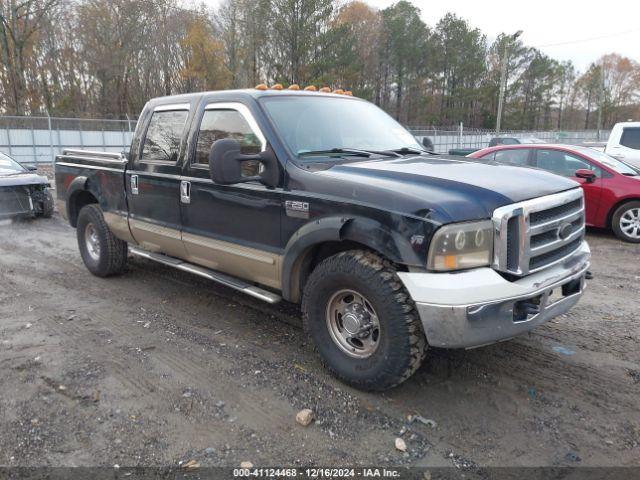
(626, 222)
(102, 252)
(362, 321)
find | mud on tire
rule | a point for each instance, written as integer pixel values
(106, 255)
(401, 344)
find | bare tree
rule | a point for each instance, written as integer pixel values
(20, 21)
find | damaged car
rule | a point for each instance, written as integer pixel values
(23, 193)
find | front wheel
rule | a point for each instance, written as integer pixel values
(102, 252)
(47, 205)
(626, 222)
(362, 321)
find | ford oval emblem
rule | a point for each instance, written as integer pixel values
(565, 230)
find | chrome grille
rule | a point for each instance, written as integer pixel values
(538, 233)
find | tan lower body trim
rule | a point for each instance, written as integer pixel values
(247, 263)
(156, 238)
(119, 226)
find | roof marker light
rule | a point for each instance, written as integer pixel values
(339, 91)
(295, 86)
(325, 90)
(277, 86)
(261, 86)
(311, 88)
(348, 92)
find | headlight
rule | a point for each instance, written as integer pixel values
(461, 245)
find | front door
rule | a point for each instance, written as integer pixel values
(230, 228)
(153, 182)
(566, 164)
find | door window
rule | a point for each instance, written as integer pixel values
(219, 124)
(503, 141)
(519, 157)
(162, 141)
(562, 163)
(631, 138)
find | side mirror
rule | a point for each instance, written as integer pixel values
(32, 168)
(587, 174)
(228, 166)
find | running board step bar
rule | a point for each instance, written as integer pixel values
(226, 280)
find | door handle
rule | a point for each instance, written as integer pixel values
(134, 184)
(185, 191)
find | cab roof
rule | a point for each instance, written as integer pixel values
(251, 92)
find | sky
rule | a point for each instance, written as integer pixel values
(547, 24)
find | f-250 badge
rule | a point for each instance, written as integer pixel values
(297, 209)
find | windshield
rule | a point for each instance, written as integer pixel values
(608, 161)
(7, 165)
(316, 124)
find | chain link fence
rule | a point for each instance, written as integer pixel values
(40, 139)
(444, 139)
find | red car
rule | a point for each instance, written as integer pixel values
(611, 188)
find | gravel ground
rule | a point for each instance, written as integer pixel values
(156, 366)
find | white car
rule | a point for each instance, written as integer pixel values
(624, 143)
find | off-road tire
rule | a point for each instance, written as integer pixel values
(47, 205)
(615, 221)
(113, 251)
(402, 344)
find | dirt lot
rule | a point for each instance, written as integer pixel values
(156, 366)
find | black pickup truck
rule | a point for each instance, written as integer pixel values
(323, 199)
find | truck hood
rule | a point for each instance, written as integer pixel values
(444, 189)
(22, 179)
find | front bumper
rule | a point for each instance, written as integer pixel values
(478, 307)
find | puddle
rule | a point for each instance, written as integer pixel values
(563, 350)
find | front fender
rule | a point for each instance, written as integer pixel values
(397, 247)
(368, 232)
(322, 230)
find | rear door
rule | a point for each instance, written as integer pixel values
(565, 164)
(230, 228)
(153, 181)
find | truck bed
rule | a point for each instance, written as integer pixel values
(100, 173)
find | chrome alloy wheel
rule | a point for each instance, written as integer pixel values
(630, 223)
(92, 241)
(353, 323)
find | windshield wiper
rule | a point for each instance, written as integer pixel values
(398, 152)
(406, 150)
(343, 151)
